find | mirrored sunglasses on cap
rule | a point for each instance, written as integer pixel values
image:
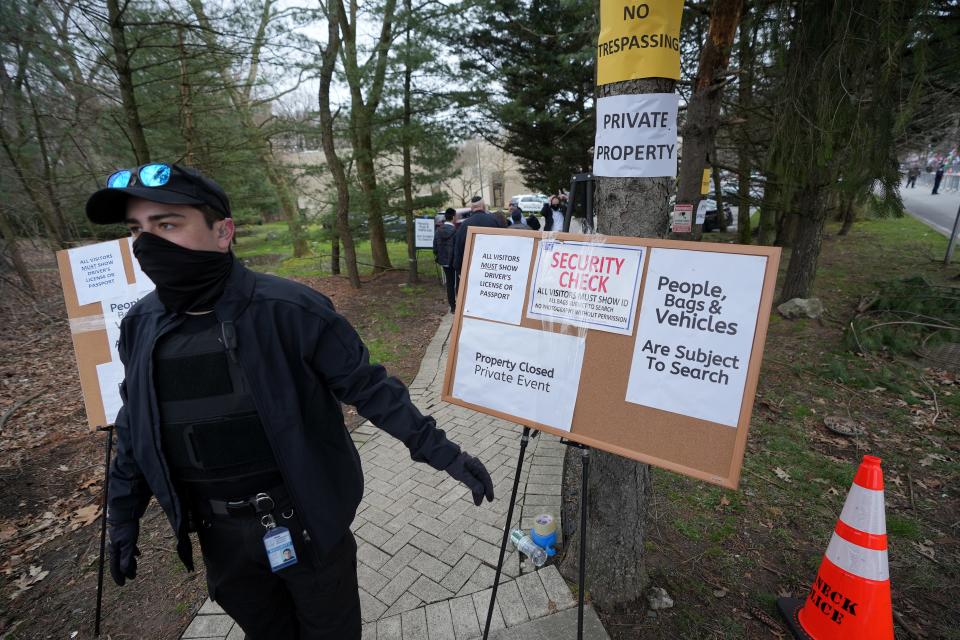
(158, 174)
(155, 174)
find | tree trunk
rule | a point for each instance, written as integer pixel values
(619, 488)
(848, 214)
(407, 169)
(241, 103)
(55, 235)
(9, 236)
(125, 78)
(361, 120)
(768, 217)
(718, 190)
(798, 281)
(335, 164)
(186, 109)
(335, 252)
(703, 111)
(745, 100)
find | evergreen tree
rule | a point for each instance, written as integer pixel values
(527, 72)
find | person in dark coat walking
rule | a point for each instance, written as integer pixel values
(443, 253)
(553, 214)
(479, 217)
(231, 416)
(517, 221)
(937, 177)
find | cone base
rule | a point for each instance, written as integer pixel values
(789, 608)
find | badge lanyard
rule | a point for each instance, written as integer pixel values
(278, 544)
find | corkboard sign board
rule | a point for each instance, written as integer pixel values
(645, 348)
(101, 282)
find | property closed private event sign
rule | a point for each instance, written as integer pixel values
(646, 348)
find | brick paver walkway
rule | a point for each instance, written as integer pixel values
(427, 556)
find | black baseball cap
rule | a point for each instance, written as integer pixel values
(183, 185)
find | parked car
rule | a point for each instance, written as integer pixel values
(530, 203)
(710, 219)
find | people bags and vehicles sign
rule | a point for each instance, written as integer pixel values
(695, 334)
(638, 40)
(646, 348)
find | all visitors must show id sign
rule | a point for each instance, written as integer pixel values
(646, 348)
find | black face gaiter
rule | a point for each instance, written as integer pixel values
(186, 279)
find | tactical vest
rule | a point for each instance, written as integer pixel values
(211, 433)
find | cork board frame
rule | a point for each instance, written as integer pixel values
(89, 333)
(602, 417)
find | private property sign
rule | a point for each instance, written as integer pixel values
(636, 136)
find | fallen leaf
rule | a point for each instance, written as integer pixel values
(724, 501)
(86, 515)
(783, 475)
(720, 592)
(929, 459)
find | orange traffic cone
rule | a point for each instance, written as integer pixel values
(850, 597)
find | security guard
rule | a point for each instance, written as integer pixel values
(231, 416)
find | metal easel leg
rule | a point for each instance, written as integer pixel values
(103, 526)
(524, 439)
(585, 467)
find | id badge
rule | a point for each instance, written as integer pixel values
(279, 546)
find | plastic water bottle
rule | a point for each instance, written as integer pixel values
(525, 545)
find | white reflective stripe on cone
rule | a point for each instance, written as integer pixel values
(866, 563)
(863, 510)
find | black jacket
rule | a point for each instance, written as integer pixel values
(478, 219)
(301, 358)
(547, 214)
(443, 244)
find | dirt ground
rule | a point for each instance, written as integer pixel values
(51, 464)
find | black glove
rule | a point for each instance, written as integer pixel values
(123, 551)
(472, 473)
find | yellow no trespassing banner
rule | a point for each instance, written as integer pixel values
(638, 40)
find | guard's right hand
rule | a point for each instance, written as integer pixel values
(123, 551)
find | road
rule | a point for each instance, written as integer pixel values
(937, 211)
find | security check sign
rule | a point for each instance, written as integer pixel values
(594, 286)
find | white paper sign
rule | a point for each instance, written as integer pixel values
(636, 136)
(97, 271)
(109, 376)
(695, 334)
(701, 211)
(423, 233)
(114, 309)
(522, 372)
(141, 280)
(497, 278)
(587, 284)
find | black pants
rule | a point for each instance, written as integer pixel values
(317, 598)
(912, 181)
(936, 184)
(451, 276)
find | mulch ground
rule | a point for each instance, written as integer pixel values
(51, 464)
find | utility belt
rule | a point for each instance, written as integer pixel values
(275, 501)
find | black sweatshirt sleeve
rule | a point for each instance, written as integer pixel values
(343, 361)
(129, 491)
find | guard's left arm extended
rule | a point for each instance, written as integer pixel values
(343, 361)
